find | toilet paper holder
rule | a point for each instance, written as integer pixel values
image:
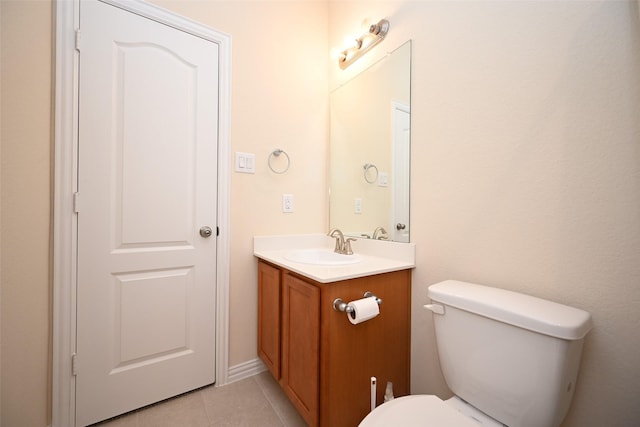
(340, 305)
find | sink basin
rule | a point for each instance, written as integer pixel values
(321, 257)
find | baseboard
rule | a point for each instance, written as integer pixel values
(244, 370)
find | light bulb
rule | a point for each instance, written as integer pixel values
(336, 53)
(351, 42)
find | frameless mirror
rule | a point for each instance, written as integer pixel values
(370, 151)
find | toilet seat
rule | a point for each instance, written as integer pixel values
(417, 411)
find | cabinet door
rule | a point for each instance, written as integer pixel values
(300, 346)
(352, 354)
(269, 317)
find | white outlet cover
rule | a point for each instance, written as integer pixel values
(287, 203)
(357, 205)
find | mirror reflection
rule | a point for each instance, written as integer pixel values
(370, 151)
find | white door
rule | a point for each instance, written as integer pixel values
(148, 123)
(401, 172)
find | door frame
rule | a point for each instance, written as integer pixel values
(65, 178)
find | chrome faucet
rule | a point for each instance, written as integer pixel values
(342, 246)
(383, 234)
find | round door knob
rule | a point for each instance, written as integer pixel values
(206, 231)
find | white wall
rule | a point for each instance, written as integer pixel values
(526, 169)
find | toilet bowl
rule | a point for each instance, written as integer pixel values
(425, 411)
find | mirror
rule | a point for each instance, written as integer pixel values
(370, 151)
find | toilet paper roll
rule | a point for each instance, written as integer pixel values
(363, 310)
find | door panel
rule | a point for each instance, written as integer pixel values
(300, 367)
(401, 166)
(148, 97)
(145, 187)
(163, 331)
(269, 317)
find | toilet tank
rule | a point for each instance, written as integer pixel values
(512, 356)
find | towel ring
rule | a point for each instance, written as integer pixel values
(373, 178)
(276, 153)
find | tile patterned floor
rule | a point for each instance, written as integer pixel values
(257, 401)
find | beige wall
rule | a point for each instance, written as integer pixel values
(25, 81)
(525, 168)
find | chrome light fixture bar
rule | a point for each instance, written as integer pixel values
(376, 34)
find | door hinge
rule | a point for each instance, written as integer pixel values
(76, 207)
(78, 38)
(74, 365)
(217, 231)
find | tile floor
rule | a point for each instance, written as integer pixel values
(257, 401)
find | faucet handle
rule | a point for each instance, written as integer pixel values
(347, 246)
(382, 233)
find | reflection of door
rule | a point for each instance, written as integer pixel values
(401, 172)
(148, 97)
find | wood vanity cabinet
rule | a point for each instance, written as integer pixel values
(269, 324)
(322, 361)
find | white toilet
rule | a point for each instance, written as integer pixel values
(510, 359)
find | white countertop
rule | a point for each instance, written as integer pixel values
(376, 256)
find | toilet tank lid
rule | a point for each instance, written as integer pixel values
(536, 314)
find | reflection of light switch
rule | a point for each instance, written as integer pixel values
(357, 205)
(383, 179)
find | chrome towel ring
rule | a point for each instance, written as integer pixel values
(275, 154)
(370, 172)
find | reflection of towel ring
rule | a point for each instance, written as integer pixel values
(367, 167)
(276, 153)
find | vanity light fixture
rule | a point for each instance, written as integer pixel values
(376, 34)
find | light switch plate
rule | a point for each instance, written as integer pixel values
(245, 162)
